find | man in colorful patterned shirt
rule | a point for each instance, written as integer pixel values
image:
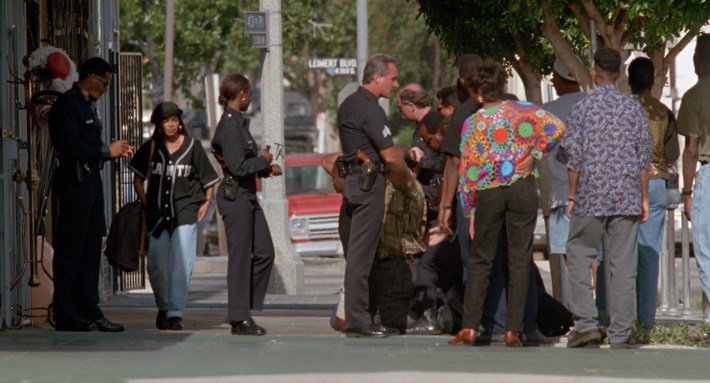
(609, 151)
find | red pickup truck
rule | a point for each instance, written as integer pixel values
(313, 206)
(313, 209)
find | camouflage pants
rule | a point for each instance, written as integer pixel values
(395, 280)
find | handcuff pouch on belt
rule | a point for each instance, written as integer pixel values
(229, 186)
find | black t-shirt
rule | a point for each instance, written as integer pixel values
(177, 183)
(452, 141)
(362, 125)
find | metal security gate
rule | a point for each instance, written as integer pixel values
(69, 27)
(126, 124)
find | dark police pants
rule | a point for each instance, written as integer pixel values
(516, 207)
(365, 211)
(78, 231)
(251, 255)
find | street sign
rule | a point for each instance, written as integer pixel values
(258, 40)
(334, 66)
(255, 22)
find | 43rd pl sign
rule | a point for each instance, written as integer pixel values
(255, 25)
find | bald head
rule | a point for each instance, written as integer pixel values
(415, 94)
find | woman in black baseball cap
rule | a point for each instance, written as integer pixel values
(180, 182)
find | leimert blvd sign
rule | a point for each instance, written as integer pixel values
(334, 66)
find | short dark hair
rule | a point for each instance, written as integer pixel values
(231, 86)
(94, 65)
(419, 97)
(641, 74)
(490, 78)
(448, 96)
(377, 64)
(467, 63)
(702, 49)
(608, 60)
(432, 121)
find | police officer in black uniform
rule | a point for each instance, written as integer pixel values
(250, 248)
(367, 149)
(75, 130)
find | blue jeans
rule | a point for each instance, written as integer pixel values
(650, 240)
(171, 259)
(700, 216)
(558, 224)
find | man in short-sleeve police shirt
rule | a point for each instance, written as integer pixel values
(362, 126)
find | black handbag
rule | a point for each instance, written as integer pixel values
(126, 238)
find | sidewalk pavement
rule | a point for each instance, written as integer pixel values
(300, 346)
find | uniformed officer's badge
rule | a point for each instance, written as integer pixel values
(386, 131)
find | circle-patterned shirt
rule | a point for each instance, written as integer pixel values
(494, 140)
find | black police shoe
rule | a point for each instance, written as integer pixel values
(536, 338)
(161, 320)
(427, 324)
(105, 325)
(247, 327)
(367, 331)
(175, 323)
(390, 330)
(78, 325)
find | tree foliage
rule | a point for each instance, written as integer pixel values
(528, 34)
(210, 38)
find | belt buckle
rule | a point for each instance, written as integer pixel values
(86, 166)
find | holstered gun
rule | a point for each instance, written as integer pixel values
(368, 173)
(340, 167)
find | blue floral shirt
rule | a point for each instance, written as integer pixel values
(609, 145)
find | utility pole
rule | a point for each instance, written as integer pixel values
(362, 38)
(169, 39)
(287, 277)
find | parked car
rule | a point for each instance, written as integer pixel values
(313, 209)
(313, 206)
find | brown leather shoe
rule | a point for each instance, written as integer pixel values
(466, 335)
(511, 339)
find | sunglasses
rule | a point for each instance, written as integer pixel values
(103, 80)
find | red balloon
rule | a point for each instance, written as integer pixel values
(58, 65)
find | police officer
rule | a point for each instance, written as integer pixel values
(249, 244)
(362, 126)
(75, 130)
